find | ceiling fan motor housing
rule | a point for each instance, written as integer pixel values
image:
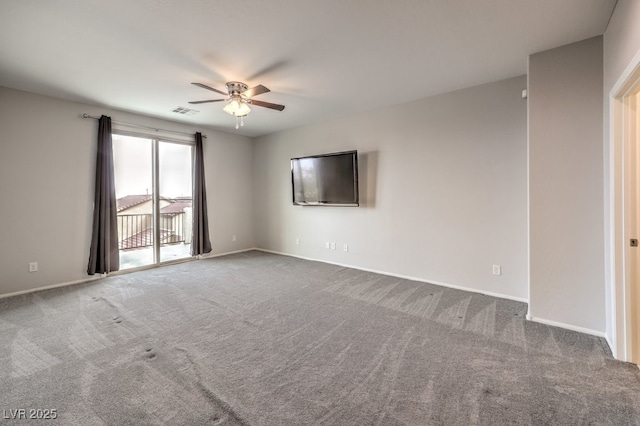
(235, 88)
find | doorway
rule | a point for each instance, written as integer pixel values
(153, 180)
(625, 220)
(632, 219)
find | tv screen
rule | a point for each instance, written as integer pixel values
(325, 180)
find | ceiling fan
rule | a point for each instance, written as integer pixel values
(238, 98)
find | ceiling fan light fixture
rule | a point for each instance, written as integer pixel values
(237, 107)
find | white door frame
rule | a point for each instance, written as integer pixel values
(623, 166)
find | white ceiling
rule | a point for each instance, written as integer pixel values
(322, 59)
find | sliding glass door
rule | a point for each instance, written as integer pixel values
(153, 191)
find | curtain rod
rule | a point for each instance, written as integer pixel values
(85, 115)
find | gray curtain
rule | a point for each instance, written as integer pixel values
(103, 254)
(200, 242)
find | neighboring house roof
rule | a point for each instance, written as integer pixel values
(129, 201)
(176, 207)
(177, 204)
(183, 199)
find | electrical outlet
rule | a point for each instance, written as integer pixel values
(33, 266)
(497, 270)
(297, 241)
(233, 238)
(346, 247)
(333, 246)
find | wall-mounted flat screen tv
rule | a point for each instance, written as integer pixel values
(325, 180)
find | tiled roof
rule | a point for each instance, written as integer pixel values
(129, 201)
(176, 207)
(177, 204)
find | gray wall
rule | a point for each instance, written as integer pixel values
(565, 186)
(47, 160)
(621, 44)
(443, 187)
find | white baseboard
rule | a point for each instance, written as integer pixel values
(126, 271)
(49, 287)
(613, 348)
(210, 256)
(406, 277)
(568, 327)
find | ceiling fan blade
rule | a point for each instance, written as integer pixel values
(267, 105)
(255, 91)
(204, 86)
(204, 102)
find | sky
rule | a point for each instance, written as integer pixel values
(132, 167)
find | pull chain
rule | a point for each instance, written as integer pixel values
(239, 122)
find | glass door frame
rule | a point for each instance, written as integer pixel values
(155, 193)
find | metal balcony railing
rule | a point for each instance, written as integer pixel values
(136, 230)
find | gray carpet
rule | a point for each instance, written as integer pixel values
(262, 339)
